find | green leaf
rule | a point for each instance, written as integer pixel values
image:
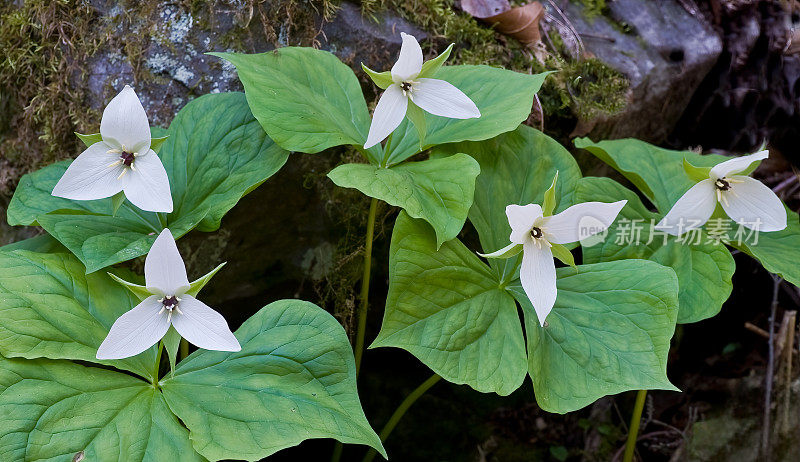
(52, 410)
(696, 173)
(504, 98)
(139, 291)
(156, 143)
(215, 154)
(294, 379)
(660, 175)
(440, 191)
(306, 99)
(52, 309)
(431, 67)
(116, 202)
(172, 341)
(89, 140)
(563, 254)
(196, 286)
(609, 332)
(516, 168)
(550, 200)
(417, 117)
(704, 270)
(381, 79)
(43, 243)
(446, 308)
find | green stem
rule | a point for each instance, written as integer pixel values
(633, 432)
(401, 410)
(362, 311)
(158, 363)
(184, 350)
(162, 219)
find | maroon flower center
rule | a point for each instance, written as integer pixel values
(127, 158)
(722, 184)
(170, 302)
(536, 233)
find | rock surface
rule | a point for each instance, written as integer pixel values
(660, 47)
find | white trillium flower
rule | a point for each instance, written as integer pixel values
(534, 234)
(122, 161)
(432, 95)
(147, 323)
(745, 200)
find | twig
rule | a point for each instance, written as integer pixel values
(791, 317)
(754, 328)
(765, 428)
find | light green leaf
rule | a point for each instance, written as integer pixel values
(550, 200)
(704, 269)
(139, 291)
(294, 380)
(306, 99)
(440, 191)
(503, 97)
(52, 309)
(563, 254)
(660, 175)
(446, 308)
(516, 168)
(196, 286)
(609, 332)
(43, 243)
(381, 79)
(696, 173)
(156, 143)
(431, 67)
(116, 202)
(172, 341)
(89, 140)
(52, 410)
(417, 117)
(215, 154)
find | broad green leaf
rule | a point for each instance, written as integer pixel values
(306, 99)
(504, 98)
(660, 175)
(52, 309)
(53, 410)
(215, 154)
(704, 269)
(294, 379)
(516, 168)
(43, 243)
(609, 332)
(440, 191)
(446, 308)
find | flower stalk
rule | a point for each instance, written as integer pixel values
(364, 306)
(633, 432)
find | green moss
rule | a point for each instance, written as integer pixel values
(594, 8)
(41, 87)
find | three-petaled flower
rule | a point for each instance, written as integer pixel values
(410, 85)
(745, 200)
(122, 161)
(537, 235)
(168, 304)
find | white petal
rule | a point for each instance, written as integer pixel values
(164, 270)
(736, 165)
(124, 122)
(538, 277)
(754, 205)
(147, 187)
(443, 99)
(91, 175)
(135, 331)
(409, 63)
(521, 218)
(389, 112)
(692, 210)
(203, 326)
(581, 221)
(506, 252)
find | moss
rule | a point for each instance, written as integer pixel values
(594, 8)
(41, 85)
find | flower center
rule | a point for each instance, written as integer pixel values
(127, 158)
(722, 184)
(170, 302)
(536, 233)
(406, 86)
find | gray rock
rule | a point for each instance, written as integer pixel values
(662, 49)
